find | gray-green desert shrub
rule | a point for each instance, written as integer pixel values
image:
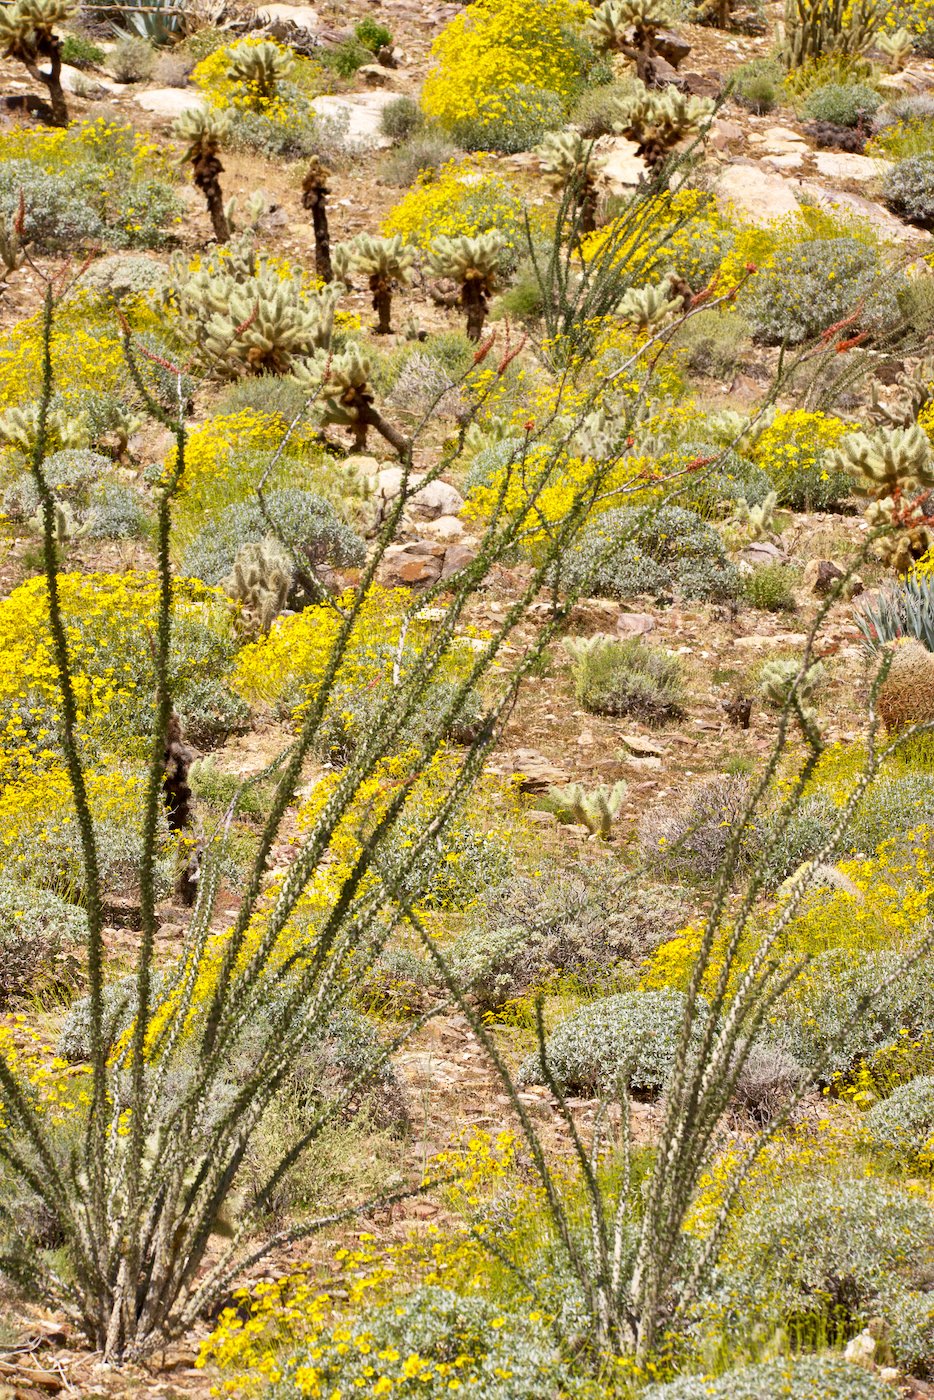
(210, 712)
(691, 840)
(58, 215)
(304, 521)
(756, 85)
(813, 284)
(115, 512)
(38, 936)
(516, 125)
(904, 1122)
(630, 1037)
(628, 678)
(824, 1256)
(132, 60)
(497, 1356)
(427, 149)
(800, 1377)
(628, 551)
(849, 104)
(401, 118)
(582, 922)
(908, 189)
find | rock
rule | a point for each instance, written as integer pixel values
(763, 552)
(377, 75)
(168, 102)
(642, 746)
(644, 765)
(820, 575)
(535, 773)
(635, 624)
(447, 528)
(700, 85)
(411, 565)
(725, 134)
(623, 167)
(757, 194)
(302, 16)
(457, 557)
(672, 47)
(777, 136)
(434, 500)
(841, 165)
(362, 111)
(86, 84)
(758, 642)
(791, 161)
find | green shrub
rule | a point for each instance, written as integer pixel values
(822, 1020)
(115, 512)
(344, 59)
(825, 1255)
(769, 587)
(265, 393)
(597, 109)
(40, 936)
(757, 84)
(80, 52)
(851, 104)
(306, 522)
(629, 678)
(497, 1356)
(57, 217)
(401, 118)
(210, 712)
(908, 190)
(813, 284)
(518, 125)
(425, 150)
(583, 923)
(904, 1122)
(631, 1036)
(715, 490)
(629, 551)
(792, 1377)
(132, 60)
(372, 35)
(291, 129)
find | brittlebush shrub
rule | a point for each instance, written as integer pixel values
(793, 450)
(466, 196)
(507, 68)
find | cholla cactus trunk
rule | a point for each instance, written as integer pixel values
(588, 206)
(474, 300)
(206, 167)
(314, 198)
(50, 47)
(381, 287)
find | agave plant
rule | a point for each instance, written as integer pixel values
(902, 609)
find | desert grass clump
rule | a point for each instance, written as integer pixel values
(627, 678)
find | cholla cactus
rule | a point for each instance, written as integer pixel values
(569, 162)
(895, 466)
(19, 428)
(657, 121)
(315, 193)
(344, 384)
(813, 28)
(647, 306)
(755, 522)
(259, 68)
(776, 680)
(597, 809)
(915, 391)
(629, 27)
(243, 316)
(385, 261)
(475, 263)
(897, 48)
(27, 34)
(204, 128)
(260, 581)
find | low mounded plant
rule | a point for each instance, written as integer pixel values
(903, 1123)
(671, 550)
(628, 678)
(814, 284)
(800, 1377)
(851, 104)
(908, 189)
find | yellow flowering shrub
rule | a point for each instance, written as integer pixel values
(223, 89)
(108, 147)
(685, 226)
(793, 448)
(495, 46)
(87, 350)
(466, 196)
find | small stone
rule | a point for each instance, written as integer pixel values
(457, 557)
(792, 161)
(700, 85)
(820, 575)
(725, 134)
(672, 47)
(642, 745)
(376, 76)
(757, 642)
(635, 624)
(447, 529)
(643, 765)
(436, 499)
(763, 552)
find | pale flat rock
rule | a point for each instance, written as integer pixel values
(446, 528)
(362, 112)
(726, 133)
(642, 746)
(302, 16)
(168, 102)
(622, 167)
(758, 642)
(792, 161)
(758, 195)
(846, 165)
(82, 84)
(774, 134)
(886, 224)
